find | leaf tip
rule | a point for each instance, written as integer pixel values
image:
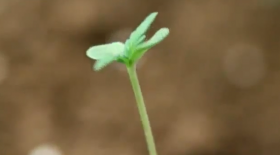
(89, 53)
(154, 14)
(165, 30)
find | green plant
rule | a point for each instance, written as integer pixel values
(128, 54)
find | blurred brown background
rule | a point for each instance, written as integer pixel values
(212, 87)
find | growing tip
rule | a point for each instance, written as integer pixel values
(153, 14)
(165, 30)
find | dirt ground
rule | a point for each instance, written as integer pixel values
(210, 88)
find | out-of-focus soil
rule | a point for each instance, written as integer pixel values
(211, 88)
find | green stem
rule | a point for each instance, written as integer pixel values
(142, 109)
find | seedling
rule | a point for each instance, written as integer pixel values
(129, 53)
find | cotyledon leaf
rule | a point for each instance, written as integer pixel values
(106, 50)
(100, 64)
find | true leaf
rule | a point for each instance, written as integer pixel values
(159, 36)
(142, 28)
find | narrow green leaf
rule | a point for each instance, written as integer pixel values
(100, 64)
(141, 39)
(158, 37)
(142, 28)
(129, 50)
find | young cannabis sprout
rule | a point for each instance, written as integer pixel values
(129, 53)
